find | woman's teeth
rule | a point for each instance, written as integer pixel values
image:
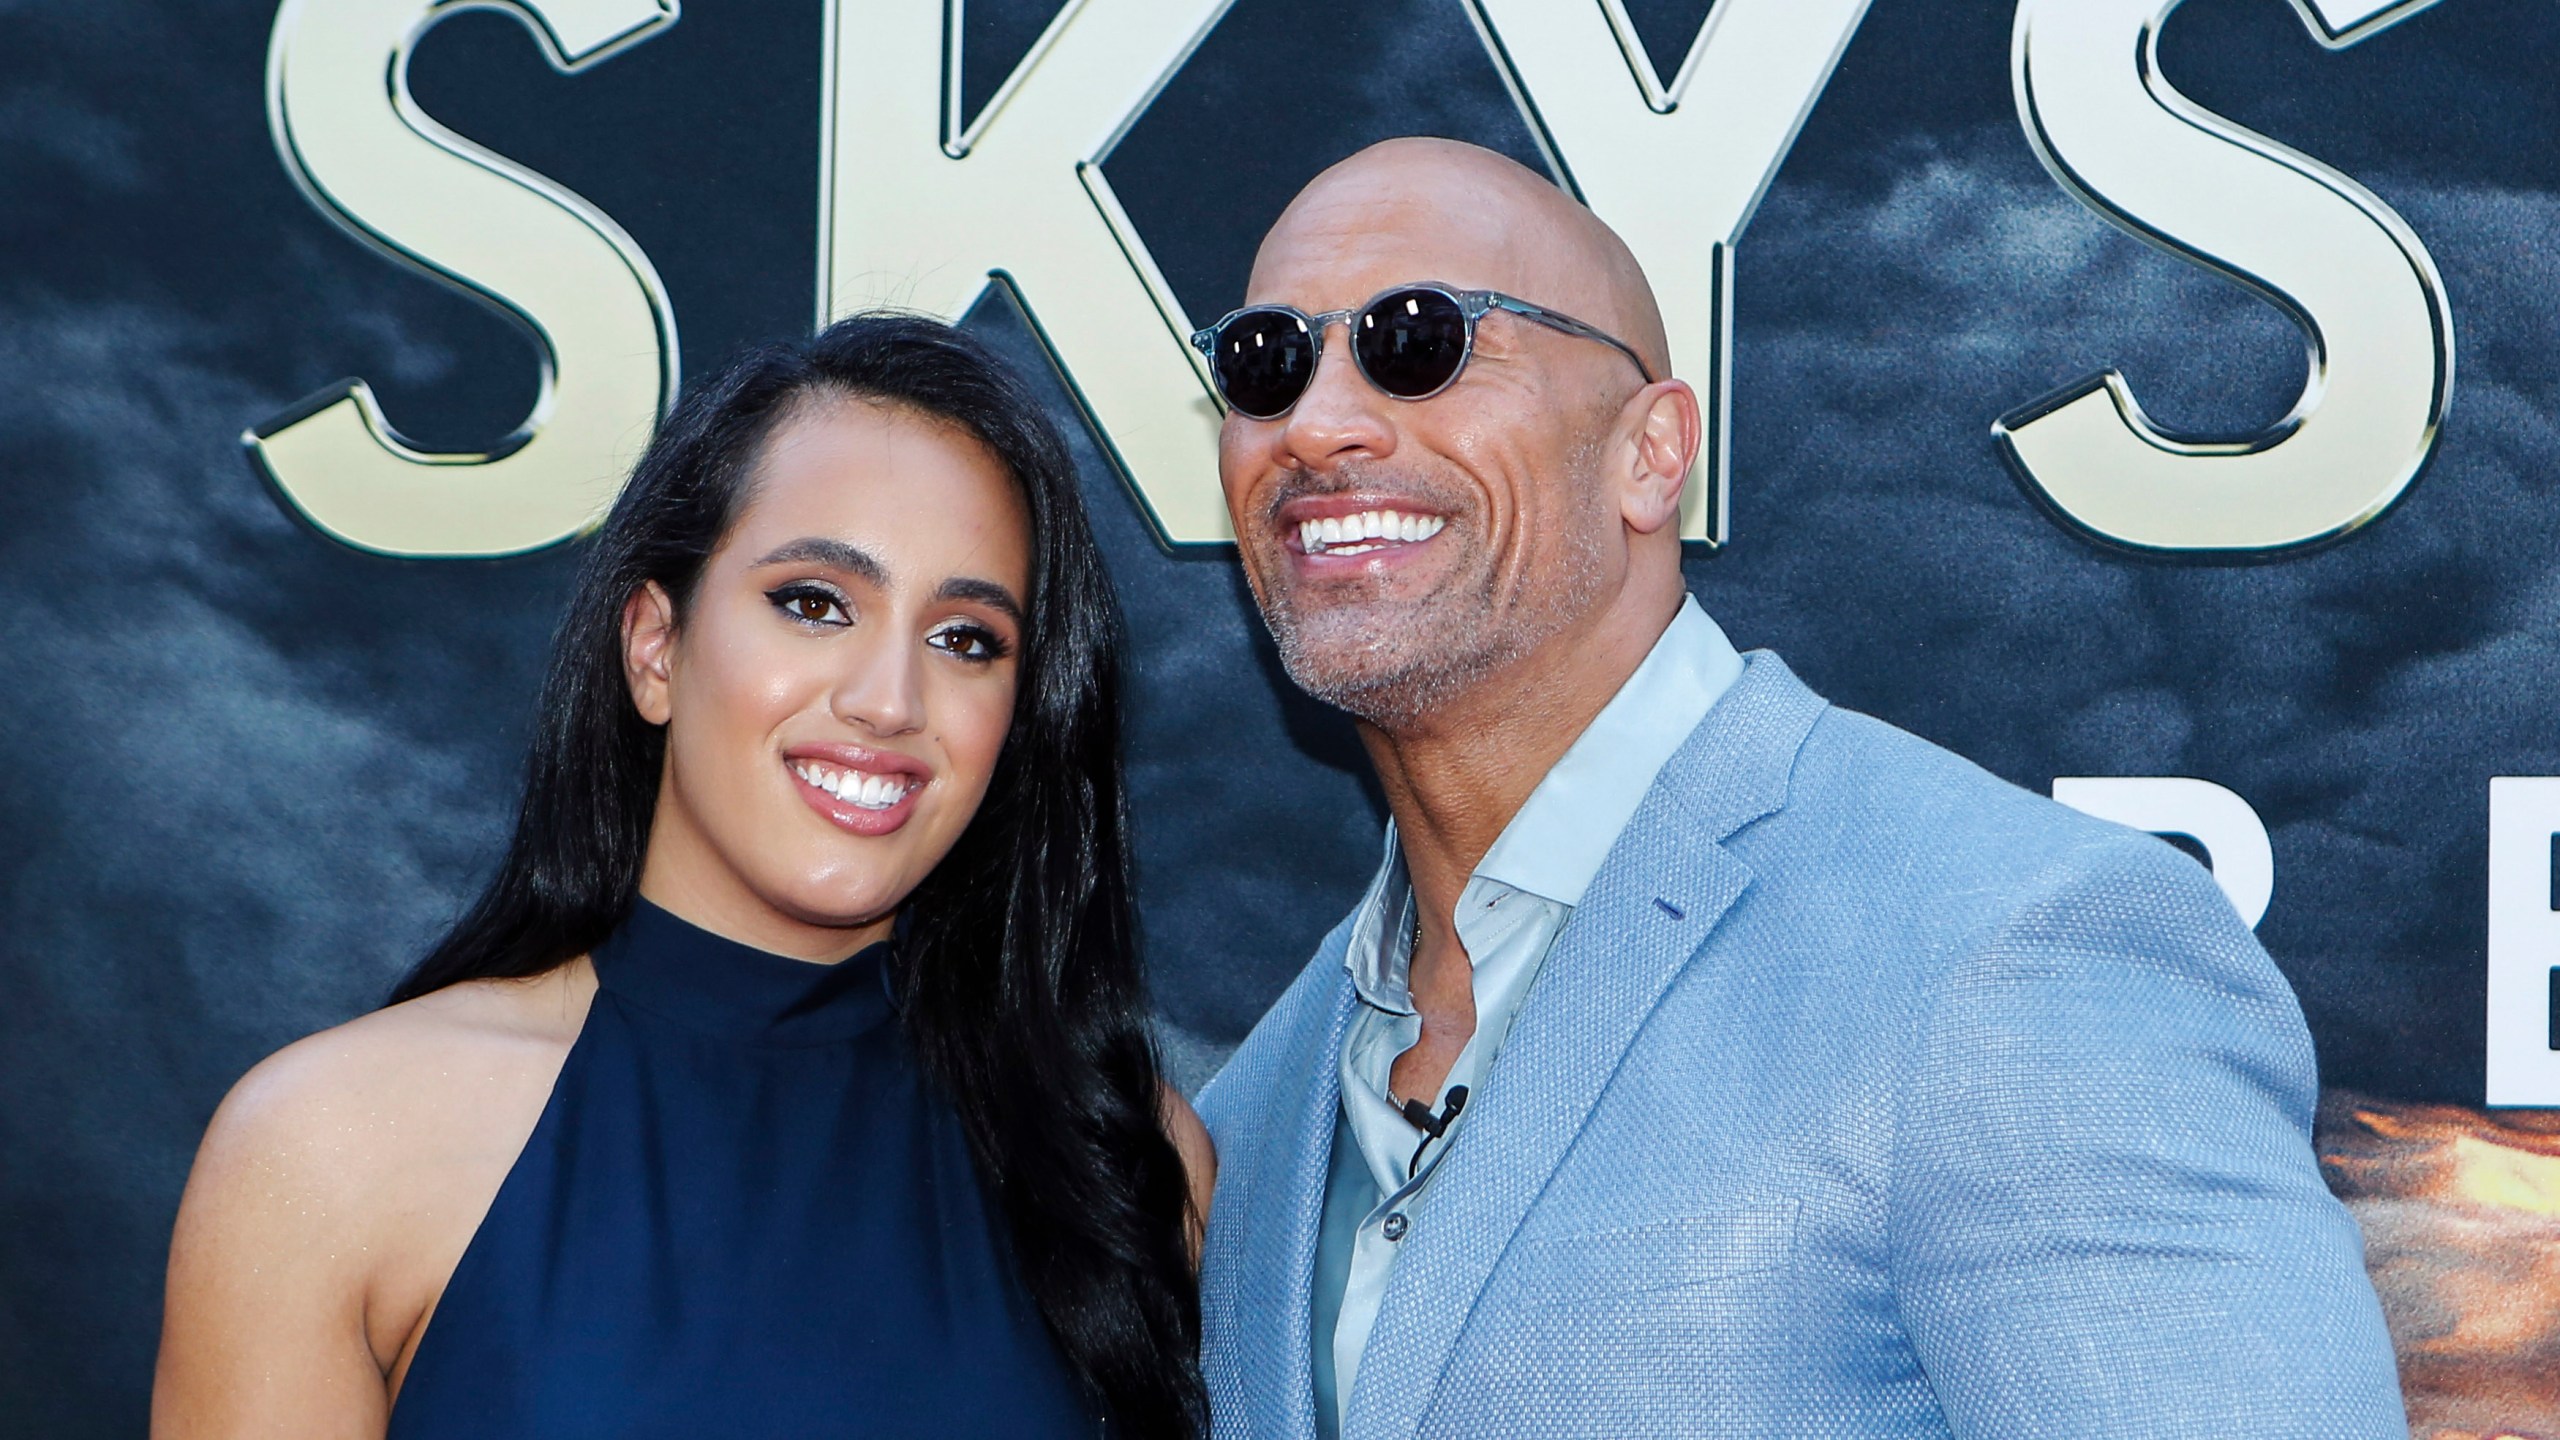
(1369, 530)
(855, 787)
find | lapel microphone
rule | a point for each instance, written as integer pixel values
(1432, 1126)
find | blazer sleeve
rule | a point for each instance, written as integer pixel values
(2106, 1217)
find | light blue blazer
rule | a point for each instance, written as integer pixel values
(1864, 1095)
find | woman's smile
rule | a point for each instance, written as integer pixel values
(866, 792)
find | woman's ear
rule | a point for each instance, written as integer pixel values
(648, 650)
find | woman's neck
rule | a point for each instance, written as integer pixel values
(690, 884)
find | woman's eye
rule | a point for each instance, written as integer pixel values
(969, 642)
(810, 606)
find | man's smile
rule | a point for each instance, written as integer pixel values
(1347, 526)
(1367, 531)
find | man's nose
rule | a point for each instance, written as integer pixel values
(1342, 416)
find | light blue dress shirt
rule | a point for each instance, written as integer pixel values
(1514, 905)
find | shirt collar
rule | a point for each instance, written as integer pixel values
(1380, 954)
(1568, 825)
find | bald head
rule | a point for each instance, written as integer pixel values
(1428, 209)
(1522, 521)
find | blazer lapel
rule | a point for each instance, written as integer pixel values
(1667, 884)
(1258, 1269)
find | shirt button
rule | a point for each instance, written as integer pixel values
(1395, 1226)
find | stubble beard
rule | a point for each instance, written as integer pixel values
(1392, 664)
(1397, 663)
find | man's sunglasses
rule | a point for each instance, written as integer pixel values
(1410, 342)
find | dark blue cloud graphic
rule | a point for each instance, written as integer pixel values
(227, 827)
(1279, 91)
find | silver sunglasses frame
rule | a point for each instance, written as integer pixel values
(1473, 305)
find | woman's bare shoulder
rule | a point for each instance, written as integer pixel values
(338, 1183)
(352, 1128)
(371, 1083)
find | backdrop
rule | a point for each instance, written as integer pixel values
(249, 768)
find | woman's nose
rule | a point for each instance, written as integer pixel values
(883, 690)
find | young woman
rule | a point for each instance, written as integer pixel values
(791, 1078)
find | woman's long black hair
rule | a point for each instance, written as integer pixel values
(1018, 972)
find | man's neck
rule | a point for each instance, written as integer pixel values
(1455, 777)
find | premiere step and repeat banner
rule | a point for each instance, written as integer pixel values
(2156, 402)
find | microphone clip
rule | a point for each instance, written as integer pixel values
(1432, 1126)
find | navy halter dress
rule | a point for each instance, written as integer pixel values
(744, 1213)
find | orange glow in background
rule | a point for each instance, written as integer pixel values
(2461, 1217)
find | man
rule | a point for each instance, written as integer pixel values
(1703, 1060)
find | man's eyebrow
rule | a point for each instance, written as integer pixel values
(985, 592)
(835, 554)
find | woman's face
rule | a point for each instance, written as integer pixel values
(838, 690)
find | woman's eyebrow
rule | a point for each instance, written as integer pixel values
(984, 592)
(835, 554)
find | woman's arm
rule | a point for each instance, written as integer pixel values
(1199, 1160)
(264, 1333)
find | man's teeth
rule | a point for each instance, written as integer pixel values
(856, 787)
(1355, 534)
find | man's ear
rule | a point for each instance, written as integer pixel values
(648, 650)
(1664, 429)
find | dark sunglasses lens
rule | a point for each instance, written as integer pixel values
(1411, 342)
(1263, 361)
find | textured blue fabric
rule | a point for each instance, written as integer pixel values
(743, 1214)
(1864, 1095)
(1508, 916)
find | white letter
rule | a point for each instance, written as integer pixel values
(2228, 827)
(920, 213)
(363, 152)
(2325, 250)
(1677, 170)
(2341, 23)
(2524, 941)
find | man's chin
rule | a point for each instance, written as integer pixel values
(1391, 688)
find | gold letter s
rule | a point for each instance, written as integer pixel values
(2325, 250)
(363, 152)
